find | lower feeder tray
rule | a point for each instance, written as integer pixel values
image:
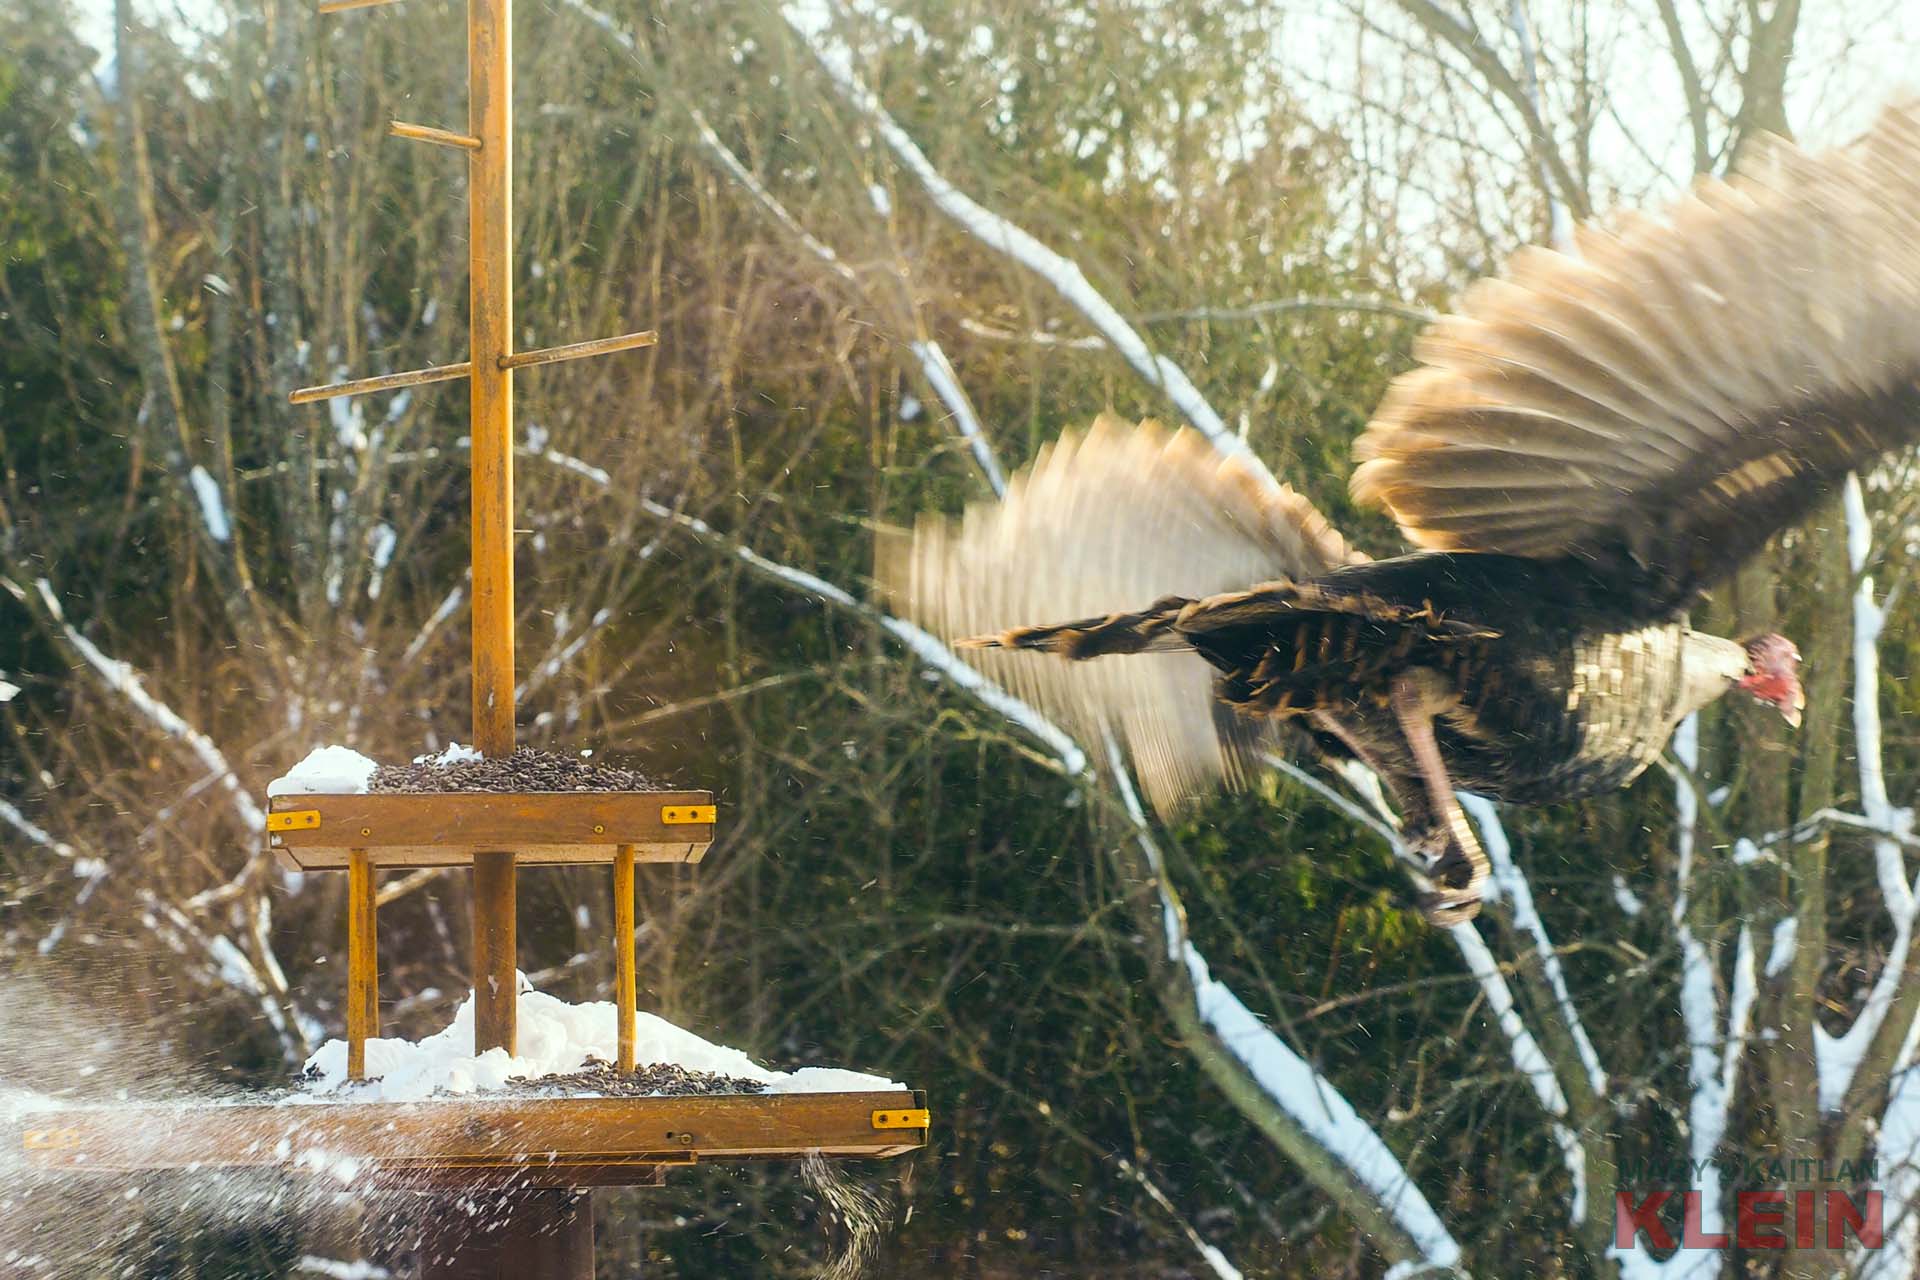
(480, 1143)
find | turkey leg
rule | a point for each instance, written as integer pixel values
(1424, 828)
(1459, 867)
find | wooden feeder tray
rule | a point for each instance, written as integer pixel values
(446, 828)
(483, 1143)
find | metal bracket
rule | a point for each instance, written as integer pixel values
(50, 1139)
(294, 820)
(909, 1118)
(681, 815)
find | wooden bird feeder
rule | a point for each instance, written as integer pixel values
(537, 1152)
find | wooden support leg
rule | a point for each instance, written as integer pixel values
(535, 1235)
(496, 996)
(363, 970)
(626, 986)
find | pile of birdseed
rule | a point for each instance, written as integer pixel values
(647, 1080)
(525, 770)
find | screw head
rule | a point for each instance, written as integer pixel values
(366, 831)
(686, 1139)
(599, 828)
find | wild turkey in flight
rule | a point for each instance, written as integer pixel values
(1593, 440)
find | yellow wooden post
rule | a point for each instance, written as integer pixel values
(626, 986)
(488, 145)
(363, 968)
(490, 386)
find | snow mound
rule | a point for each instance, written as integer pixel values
(555, 1038)
(335, 771)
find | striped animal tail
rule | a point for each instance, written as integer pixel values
(1150, 630)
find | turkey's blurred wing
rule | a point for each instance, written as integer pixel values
(1113, 520)
(1660, 404)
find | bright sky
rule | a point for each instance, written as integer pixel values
(1851, 56)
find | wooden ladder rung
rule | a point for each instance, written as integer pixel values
(427, 133)
(384, 382)
(575, 350)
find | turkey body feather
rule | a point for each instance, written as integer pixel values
(1589, 444)
(1545, 694)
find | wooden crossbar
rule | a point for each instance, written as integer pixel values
(384, 382)
(464, 369)
(427, 133)
(576, 350)
(341, 6)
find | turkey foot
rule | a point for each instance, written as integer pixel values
(1455, 878)
(1456, 866)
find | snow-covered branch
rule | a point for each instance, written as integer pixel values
(91, 870)
(565, 649)
(744, 178)
(1323, 1116)
(1517, 893)
(1298, 302)
(1034, 337)
(229, 966)
(922, 644)
(812, 23)
(1217, 1262)
(934, 365)
(1528, 1056)
(938, 658)
(213, 509)
(1839, 1058)
(37, 834)
(1899, 1157)
(1869, 620)
(1896, 830)
(120, 679)
(946, 384)
(1714, 1054)
(448, 606)
(1559, 222)
(1326, 1116)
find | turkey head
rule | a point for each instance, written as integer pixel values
(1773, 675)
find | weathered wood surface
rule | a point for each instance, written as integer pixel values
(528, 1235)
(626, 984)
(490, 386)
(496, 993)
(363, 964)
(444, 829)
(470, 1143)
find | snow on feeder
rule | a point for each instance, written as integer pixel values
(449, 1114)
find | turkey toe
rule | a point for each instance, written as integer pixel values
(1445, 909)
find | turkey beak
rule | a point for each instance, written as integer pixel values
(1791, 712)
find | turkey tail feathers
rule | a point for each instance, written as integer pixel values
(1151, 630)
(1660, 401)
(1102, 522)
